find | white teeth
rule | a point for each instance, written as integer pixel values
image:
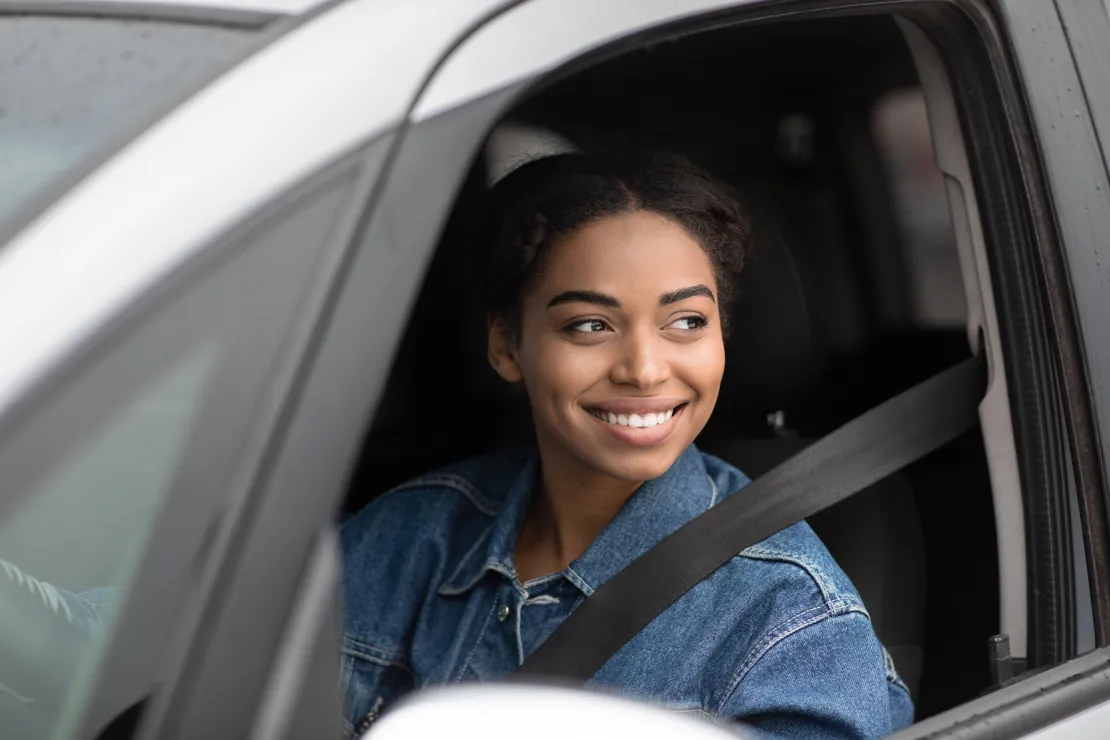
(637, 421)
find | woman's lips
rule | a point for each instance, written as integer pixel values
(640, 429)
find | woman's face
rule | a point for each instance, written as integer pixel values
(620, 347)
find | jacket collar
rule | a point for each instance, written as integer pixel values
(657, 509)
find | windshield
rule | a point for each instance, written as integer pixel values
(72, 89)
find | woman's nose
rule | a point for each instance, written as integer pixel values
(642, 362)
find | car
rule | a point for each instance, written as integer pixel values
(235, 307)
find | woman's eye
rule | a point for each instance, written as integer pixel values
(587, 326)
(689, 323)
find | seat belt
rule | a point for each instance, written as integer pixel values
(862, 452)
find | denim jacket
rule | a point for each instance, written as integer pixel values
(777, 638)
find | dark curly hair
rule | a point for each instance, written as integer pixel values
(546, 200)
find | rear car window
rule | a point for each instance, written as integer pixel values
(74, 88)
(901, 126)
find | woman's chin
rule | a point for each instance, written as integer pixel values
(614, 458)
(636, 465)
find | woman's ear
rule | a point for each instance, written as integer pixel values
(501, 352)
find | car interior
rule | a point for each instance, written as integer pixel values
(853, 294)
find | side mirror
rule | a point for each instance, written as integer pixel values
(481, 711)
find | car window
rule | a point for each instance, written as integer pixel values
(101, 497)
(86, 524)
(116, 478)
(72, 86)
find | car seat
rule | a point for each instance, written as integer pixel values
(774, 359)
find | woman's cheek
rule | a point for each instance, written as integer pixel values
(703, 363)
(569, 369)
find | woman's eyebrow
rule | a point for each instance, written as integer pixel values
(683, 293)
(584, 296)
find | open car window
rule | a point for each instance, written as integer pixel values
(838, 204)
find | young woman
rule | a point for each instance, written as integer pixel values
(609, 283)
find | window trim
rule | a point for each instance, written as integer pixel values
(1081, 30)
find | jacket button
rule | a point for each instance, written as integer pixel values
(503, 613)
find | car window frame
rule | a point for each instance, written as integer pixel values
(1086, 26)
(1063, 149)
(468, 121)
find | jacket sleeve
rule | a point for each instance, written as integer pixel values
(44, 632)
(825, 681)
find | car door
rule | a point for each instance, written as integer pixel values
(227, 686)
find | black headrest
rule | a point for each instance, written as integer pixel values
(773, 352)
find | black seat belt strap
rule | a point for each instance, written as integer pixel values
(858, 454)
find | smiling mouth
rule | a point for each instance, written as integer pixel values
(637, 421)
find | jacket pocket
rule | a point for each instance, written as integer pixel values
(373, 679)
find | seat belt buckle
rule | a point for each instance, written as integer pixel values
(1001, 664)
